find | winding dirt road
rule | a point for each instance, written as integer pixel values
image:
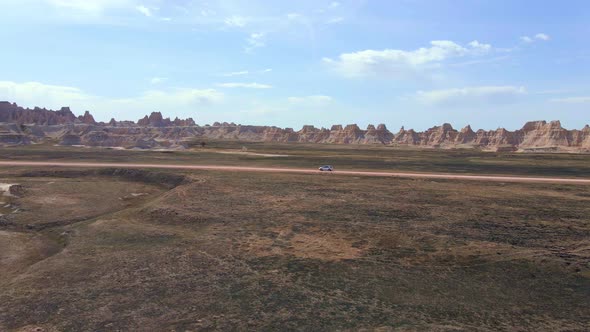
(497, 178)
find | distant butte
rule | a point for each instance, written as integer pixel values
(21, 126)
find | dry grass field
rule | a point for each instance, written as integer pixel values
(139, 250)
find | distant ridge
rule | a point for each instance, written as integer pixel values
(26, 126)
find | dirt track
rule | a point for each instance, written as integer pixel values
(496, 178)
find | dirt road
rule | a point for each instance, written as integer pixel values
(496, 178)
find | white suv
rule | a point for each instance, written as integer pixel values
(326, 168)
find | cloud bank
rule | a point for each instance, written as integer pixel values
(395, 63)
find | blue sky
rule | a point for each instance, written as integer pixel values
(412, 63)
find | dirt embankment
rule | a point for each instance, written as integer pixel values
(52, 203)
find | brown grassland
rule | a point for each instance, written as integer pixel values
(163, 250)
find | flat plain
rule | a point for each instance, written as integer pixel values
(172, 250)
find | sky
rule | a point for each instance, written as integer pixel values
(412, 63)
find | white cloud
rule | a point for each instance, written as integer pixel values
(89, 6)
(144, 10)
(171, 99)
(205, 12)
(539, 36)
(259, 111)
(572, 100)
(236, 73)
(477, 46)
(37, 94)
(158, 80)
(293, 16)
(235, 21)
(471, 96)
(315, 99)
(335, 20)
(542, 36)
(526, 39)
(480, 61)
(334, 4)
(396, 63)
(255, 40)
(246, 72)
(179, 100)
(244, 85)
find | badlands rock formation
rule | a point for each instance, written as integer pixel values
(12, 113)
(157, 120)
(20, 126)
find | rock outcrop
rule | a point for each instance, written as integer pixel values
(20, 126)
(16, 190)
(12, 113)
(465, 136)
(406, 137)
(14, 134)
(534, 136)
(157, 120)
(87, 118)
(154, 120)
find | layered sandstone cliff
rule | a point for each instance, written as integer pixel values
(20, 126)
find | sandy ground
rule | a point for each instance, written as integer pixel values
(302, 170)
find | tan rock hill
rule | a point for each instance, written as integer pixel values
(406, 137)
(465, 136)
(19, 126)
(581, 138)
(541, 134)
